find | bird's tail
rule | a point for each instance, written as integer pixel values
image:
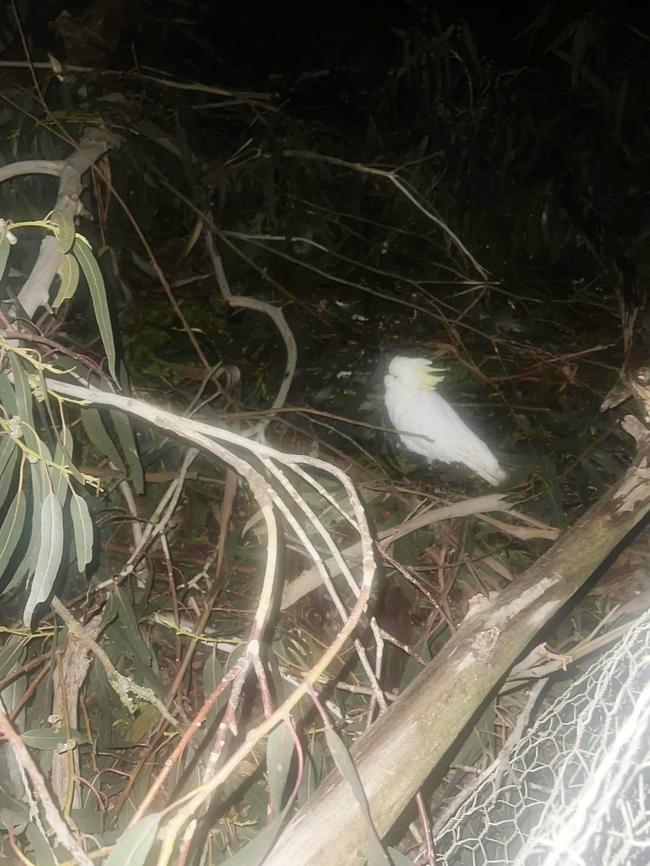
(482, 461)
(494, 476)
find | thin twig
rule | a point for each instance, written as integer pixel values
(55, 821)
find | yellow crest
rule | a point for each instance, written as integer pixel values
(425, 375)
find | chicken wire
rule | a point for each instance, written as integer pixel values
(576, 788)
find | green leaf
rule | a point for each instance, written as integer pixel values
(42, 850)
(12, 654)
(254, 854)
(49, 555)
(8, 460)
(376, 854)
(280, 747)
(83, 530)
(50, 738)
(314, 772)
(12, 529)
(66, 233)
(89, 266)
(279, 754)
(104, 698)
(96, 432)
(38, 471)
(62, 456)
(28, 563)
(135, 843)
(5, 247)
(90, 818)
(69, 281)
(7, 395)
(12, 698)
(130, 630)
(212, 675)
(24, 399)
(126, 438)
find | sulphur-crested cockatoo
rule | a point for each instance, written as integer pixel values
(428, 425)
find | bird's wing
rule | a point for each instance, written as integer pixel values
(454, 441)
(426, 415)
(471, 450)
(443, 435)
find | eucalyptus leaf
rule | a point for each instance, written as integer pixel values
(7, 449)
(12, 787)
(102, 711)
(12, 654)
(5, 248)
(213, 672)
(96, 432)
(83, 252)
(12, 696)
(257, 849)
(314, 771)
(50, 738)
(66, 230)
(62, 457)
(38, 472)
(43, 853)
(126, 437)
(128, 630)
(16, 819)
(49, 555)
(8, 459)
(24, 399)
(69, 281)
(89, 819)
(83, 530)
(141, 263)
(11, 530)
(135, 843)
(7, 395)
(376, 854)
(280, 748)
(27, 565)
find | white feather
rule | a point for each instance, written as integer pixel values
(428, 425)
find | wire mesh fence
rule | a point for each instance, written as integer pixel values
(576, 788)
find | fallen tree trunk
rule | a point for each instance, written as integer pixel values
(414, 735)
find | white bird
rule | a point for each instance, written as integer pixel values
(428, 425)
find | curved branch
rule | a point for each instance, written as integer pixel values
(216, 440)
(274, 313)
